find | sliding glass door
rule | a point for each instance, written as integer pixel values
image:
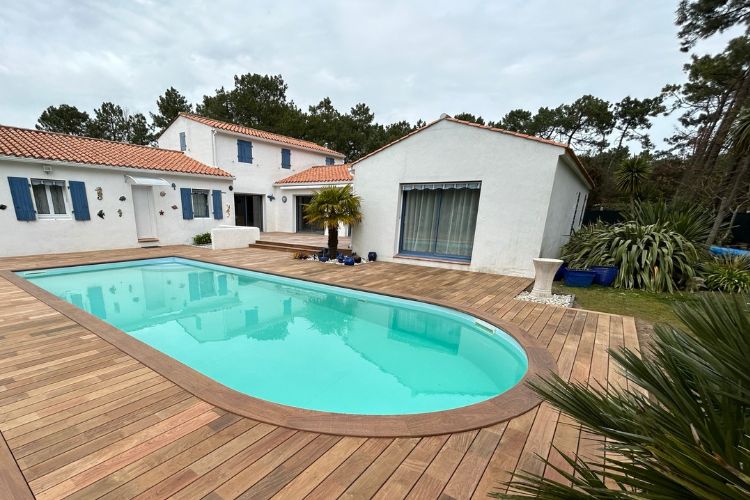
(439, 219)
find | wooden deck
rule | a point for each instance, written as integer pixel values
(83, 419)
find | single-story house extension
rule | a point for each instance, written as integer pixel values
(257, 160)
(297, 190)
(62, 193)
(465, 196)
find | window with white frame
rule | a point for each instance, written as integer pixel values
(49, 198)
(200, 203)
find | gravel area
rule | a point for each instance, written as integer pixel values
(555, 300)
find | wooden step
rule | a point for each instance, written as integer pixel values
(292, 248)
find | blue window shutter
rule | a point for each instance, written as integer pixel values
(79, 200)
(244, 151)
(329, 160)
(286, 158)
(217, 204)
(183, 142)
(21, 194)
(186, 195)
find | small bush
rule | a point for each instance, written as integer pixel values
(690, 220)
(651, 257)
(728, 273)
(202, 239)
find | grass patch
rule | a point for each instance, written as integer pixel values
(648, 306)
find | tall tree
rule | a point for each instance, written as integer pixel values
(633, 118)
(113, 123)
(704, 18)
(169, 105)
(518, 120)
(65, 119)
(468, 117)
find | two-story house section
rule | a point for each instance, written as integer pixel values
(257, 159)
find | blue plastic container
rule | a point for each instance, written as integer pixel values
(560, 274)
(348, 261)
(605, 275)
(581, 278)
(323, 258)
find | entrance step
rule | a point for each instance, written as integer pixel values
(292, 247)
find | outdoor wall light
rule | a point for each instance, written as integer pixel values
(283, 198)
(271, 197)
(231, 188)
(174, 186)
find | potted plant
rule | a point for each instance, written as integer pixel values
(582, 278)
(605, 275)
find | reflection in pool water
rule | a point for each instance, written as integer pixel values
(297, 343)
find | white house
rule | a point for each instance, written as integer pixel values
(460, 195)
(62, 193)
(257, 160)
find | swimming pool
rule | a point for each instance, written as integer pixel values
(297, 343)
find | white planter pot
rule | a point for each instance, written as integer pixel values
(544, 274)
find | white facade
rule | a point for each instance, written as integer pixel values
(218, 148)
(531, 193)
(117, 229)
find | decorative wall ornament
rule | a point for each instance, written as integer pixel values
(229, 209)
(99, 193)
(174, 207)
(161, 212)
(174, 186)
(163, 194)
(122, 198)
(283, 198)
(119, 212)
(100, 213)
(231, 188)
(270, 197)
(3, 206)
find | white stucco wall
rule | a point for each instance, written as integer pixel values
(517, 180)
(69, 235)
(569, 194)
(257, 177)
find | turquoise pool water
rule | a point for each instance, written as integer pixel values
(294, 342)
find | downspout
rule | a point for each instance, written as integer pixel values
(213, 147)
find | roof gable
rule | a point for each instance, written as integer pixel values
(567, 150)
(260, 134)
(320, 174)
(51, 146)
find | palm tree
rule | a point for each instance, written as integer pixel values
(631, 176)
(332, 206)
(683, 433)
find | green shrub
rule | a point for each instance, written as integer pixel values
(690, 220)
(681, 426)
(651, 257)
(202, 239)
(728, 273)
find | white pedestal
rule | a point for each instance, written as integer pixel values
(544, 275)
(225, 237)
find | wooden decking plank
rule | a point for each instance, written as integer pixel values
(469, 472)
(380, 470)
(437, 475)
(410, 470)
(344, 475)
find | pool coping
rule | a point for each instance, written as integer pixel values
(512, 403)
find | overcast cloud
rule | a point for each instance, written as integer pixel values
(407, 60)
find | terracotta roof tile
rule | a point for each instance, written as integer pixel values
(27, 143)
(320, 174)
(261, 134)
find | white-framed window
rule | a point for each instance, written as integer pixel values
(200, 203)
(50, 199)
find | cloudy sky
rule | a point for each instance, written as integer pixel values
(407, 60)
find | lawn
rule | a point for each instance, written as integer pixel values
(650, 307)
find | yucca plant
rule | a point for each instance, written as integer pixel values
(332, 206)
(632, 174)
(727, 273)
(690, 220)
(651, 257)
(682, 431)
